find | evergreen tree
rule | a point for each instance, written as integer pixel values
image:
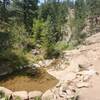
(80, 15)
(26, 10)
(93, 7)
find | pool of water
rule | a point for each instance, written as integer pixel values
(21, 82)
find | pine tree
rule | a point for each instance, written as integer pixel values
(25, 11)
(80, 15)
(93, 7)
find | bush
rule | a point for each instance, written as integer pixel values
(18, 36)
(52, 53)
(13, 58)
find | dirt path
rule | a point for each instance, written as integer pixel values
(93, 93)
(92, 54)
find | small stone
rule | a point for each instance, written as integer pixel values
(36, 65)
(69, 92)
(58, 85)
(45, 63)
(86, 78)
(82, 84)
(33, 94)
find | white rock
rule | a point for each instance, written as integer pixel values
(6, 91)
(86, 78)
(82, 84)
(89, 72)
(58, 85)
(33, 94)
(23, 95)
(45, 63)
(37, 65)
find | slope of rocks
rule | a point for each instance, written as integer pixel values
(81, 71)
(77, 71)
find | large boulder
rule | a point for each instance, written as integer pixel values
(6, 92)
(23, 95)
(34, 94)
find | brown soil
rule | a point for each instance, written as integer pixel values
(21, 82)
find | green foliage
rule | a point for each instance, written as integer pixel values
(13, 58)
(93, 7)
(44, 36)
(49, 40)
(61, 45)
(24, 25)
(1, 94)
(57, 11)
(38, 27)
(37, 98)
(12, 45)
(17, 98)
(80, 16)
(18, 34)
(5, 40)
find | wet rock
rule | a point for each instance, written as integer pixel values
(45, 63)
(5, 70)
(33, 94)
(23, 95)
(6, 91)
(3, 74)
